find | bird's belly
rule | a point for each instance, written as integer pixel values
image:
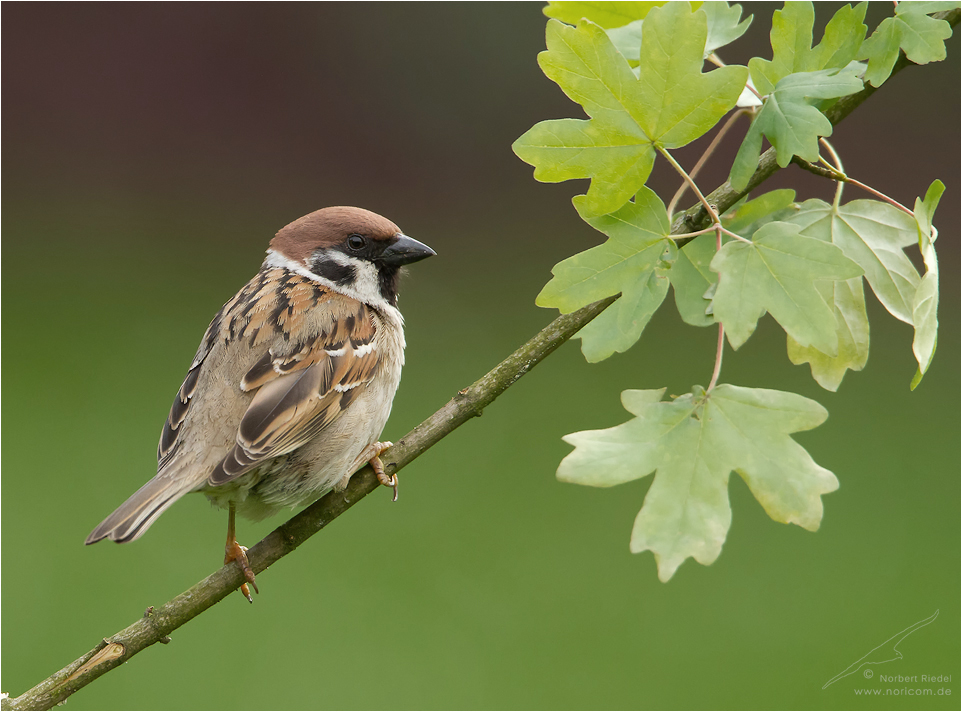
(307, 473)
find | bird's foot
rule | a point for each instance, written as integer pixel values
(382, 476)
(372, 456)
(238, 553)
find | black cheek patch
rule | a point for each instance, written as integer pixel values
(388, 278)
(340, 275)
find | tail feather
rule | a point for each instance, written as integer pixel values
(131, 519)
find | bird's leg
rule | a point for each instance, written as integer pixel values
(371, 455)
(238, 553)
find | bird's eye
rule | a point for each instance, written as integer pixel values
(356, 242)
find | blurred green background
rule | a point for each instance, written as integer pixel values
(152, 151)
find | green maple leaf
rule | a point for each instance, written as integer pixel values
(925, 306)
(791, 39)
(672, 104)
(796, 81)
(776, 272)
(791, 121)
(847, 300)
(620, 325)
(633, 261)
(603, 14)
(745, 217)
(725, 24)
(691, 278)
(627, 40)
(873, 234)
(693, 443)
(929, 6)
(921, 37)
(724, 27)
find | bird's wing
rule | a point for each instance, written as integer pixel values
(169, 440)
(301, 387)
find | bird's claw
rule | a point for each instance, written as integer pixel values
(236, 552)
(378, 467)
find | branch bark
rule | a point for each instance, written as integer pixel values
(157, 623)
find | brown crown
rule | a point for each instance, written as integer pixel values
(328, 227)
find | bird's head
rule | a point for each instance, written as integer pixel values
(355, 251)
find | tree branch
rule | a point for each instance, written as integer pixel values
(156, 624)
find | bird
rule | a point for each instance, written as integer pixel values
(292, 383)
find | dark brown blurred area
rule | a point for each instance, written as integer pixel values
(283, 105)
(406, 108)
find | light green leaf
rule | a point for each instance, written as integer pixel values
(634, 261)
(636, 242)
(926, 305)
(881, 50)
(605, 14)
(922, 38)
(842, 38)
(690, 275)
(796, 80)
(925, 211)
(926, 7)
(791, 121)
(926, 315)
(776, 273)
(627, 40)
(873, 234)
(620, 325)
(563, 149)
(611, 148)
(693, 443)
(690, 278)
(847, 299)
(725, 24)
(791, 39)
(724, 27)
(745, 218)
(671, 105)
(680, 102)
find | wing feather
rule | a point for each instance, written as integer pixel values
(300, 390)
(317, 355)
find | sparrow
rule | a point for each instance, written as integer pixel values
(292, 383)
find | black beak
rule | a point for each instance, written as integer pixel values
(404, 251)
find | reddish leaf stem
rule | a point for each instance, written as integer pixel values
(716, 371)
(704, 158)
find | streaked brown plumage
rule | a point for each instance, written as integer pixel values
(294, 379)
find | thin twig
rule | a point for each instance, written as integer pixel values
(878, 194)
(836, 159)
(824, 170)
(718, 358)
(837, 175)
(716, 371)
(733, 234)
(839, 168)
(684, 235)
(717, 61)
(704, 158)
(691, 184)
